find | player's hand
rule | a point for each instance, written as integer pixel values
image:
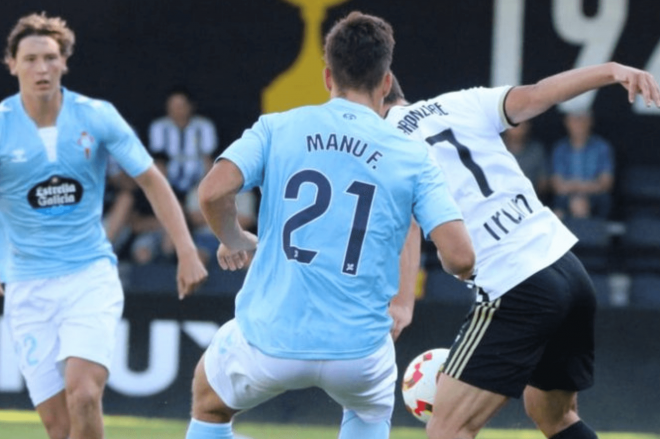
(191, 273)
(638, 82)
(237, 257)
(402, 317)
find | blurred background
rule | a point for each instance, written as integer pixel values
(237, 59)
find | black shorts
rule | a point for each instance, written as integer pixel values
(540, 333)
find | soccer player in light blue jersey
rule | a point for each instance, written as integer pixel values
(339, 187)
(4, 252)
(63, 297)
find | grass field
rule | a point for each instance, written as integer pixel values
(25, 425)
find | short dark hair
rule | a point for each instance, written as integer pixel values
(395, 94)
(180, 89)
(358, 51)
(40, 25)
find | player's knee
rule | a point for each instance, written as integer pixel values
(83, 399)
(206, 404)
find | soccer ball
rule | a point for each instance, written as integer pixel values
(419, 380)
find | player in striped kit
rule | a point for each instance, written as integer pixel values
(338, 186)
(531, 330)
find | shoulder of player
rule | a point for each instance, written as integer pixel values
(86, 103)
(7, 110)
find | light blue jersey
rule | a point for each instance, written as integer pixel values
(51, 198)
(4, 252)
(339, 185)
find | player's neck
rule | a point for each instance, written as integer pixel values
(369, 100)
(43, 110)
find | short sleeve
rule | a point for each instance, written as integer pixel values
(248, 153)
(122, 143)
(492, 101)
(433, 204)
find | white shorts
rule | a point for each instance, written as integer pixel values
(244, 377)
(53, 319)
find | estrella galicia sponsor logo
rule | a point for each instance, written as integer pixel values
(56, 196)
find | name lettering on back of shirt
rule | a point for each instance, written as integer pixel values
(341, 143)
(409, 122)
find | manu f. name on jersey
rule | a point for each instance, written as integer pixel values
(344, 144)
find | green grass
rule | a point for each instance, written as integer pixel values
(25, 425)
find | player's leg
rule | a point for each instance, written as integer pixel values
(352, 426)
(91, 306)
(365, 388)
(30, 312)
(55, 416)
(233, 376)
(461, 410)
(555, 414)
(211, 418)
(85, 381)
(495, 354)
(567, 364)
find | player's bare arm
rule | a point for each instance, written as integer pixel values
(403, 304)
(191, 271)
(217, 200)
(455, 249)
(527, 101)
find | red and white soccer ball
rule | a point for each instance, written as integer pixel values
(419, 380)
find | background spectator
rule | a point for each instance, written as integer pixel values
(582, 170)
(531, 156)
(183, 141)
(182, 144)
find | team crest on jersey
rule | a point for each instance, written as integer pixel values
(86, 140)
(55, 196)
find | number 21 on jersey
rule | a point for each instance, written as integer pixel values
(365, 195)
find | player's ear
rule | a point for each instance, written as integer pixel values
(11, 64)
(387, 83)
(65, 68)
(327, 79)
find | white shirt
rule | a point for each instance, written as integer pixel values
(513, 234)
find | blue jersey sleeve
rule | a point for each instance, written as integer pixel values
(122, 143)
(249, 153)
(433, 204)
(4, 248)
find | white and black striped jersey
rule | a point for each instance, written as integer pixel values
(183, 148)
(513, 234)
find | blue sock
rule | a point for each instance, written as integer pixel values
(207, 430)
(352, 427)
